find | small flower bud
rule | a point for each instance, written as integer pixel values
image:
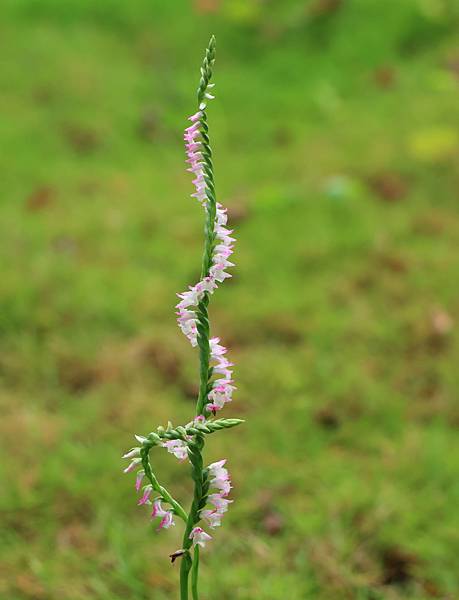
(132, 453)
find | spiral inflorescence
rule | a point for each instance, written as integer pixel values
(212, 484)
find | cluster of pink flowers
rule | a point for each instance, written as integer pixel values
(157, 511)
(179, 448)
(219, 480)
(222, 388)
(134, 456)
(189, 300)
(217, 274)
(223, 249)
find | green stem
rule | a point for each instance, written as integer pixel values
(199, 498)
(184, 570)
(179, 511)
(194, 574)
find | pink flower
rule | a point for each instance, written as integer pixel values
(216, 349)
(132, 465)
(222, 367)
(166, 516)
(199, 420)
(146, 495)
(166, 521)
(132, 453)
(195, 117)
(195, 126)
(194, 159)
(199, 537)
(220, 503)
(221, 216)
(220, 394)
(208, 284)
(176, 447)
(192, 146)
(139, 479)
(219, 478)
(212, 517)
(157, 510)
(187, 323)
(192, 132)
(191, 297)
(223, 386)
(217, 398)
(218, 272)
(224, 485)
(217, 469)
(224, 235)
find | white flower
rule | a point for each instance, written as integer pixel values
(132, 465)
(167, 518)
(199, 537)
(132, 453)
(216, 349)
(217, 469)
(224, 485)
(220, 503)
(176, 447)
(212, 517)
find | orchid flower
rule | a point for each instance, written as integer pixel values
(167, 518)
(199, 537)
(212, 484)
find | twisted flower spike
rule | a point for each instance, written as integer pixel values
(216, 384)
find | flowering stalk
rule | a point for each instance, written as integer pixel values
(212, 484)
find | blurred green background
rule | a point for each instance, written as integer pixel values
(335, 132)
